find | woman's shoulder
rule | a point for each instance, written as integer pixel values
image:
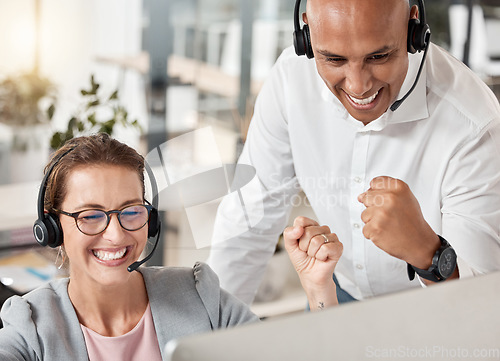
(194, 292)
(46, 293)
(180, 277)
(41, 306)
(29, 320)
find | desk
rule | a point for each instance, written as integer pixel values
(454, 320)
(26, 270)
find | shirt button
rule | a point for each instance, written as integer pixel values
(359, 266)
(357, 179)
(356, 225)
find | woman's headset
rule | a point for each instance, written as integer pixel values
(418, 33)
(47, 228)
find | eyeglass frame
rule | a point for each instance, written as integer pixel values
(75, 215)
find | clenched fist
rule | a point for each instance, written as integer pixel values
(314, 252)
(394, 222)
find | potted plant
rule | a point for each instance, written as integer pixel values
(26, 101)
(96, 113)
(26, 108)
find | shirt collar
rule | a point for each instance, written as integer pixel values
(413, 108)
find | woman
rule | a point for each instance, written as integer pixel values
(102, 311)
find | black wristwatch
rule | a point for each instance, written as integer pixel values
(442, 267)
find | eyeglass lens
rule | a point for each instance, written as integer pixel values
(95, 221)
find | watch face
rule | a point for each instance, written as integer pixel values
(447, 262)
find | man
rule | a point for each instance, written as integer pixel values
(396, 186)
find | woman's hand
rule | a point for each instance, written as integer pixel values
(314, 252)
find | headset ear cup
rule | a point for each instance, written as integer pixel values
(417, 36)
(57, 238)
(154, 223)
(421, 39)
(413, 24)
(302, 42)
(47, 231)
(298, 42)
(307, 42)
(41, 232)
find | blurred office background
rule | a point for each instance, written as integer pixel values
(179, 66)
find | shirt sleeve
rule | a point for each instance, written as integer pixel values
(250, 220)
(471, 206)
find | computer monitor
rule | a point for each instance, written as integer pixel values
(457, 319)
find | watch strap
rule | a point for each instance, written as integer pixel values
(432, 273)
(411, 271)
(428, 274)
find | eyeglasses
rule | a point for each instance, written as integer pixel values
(94, 221)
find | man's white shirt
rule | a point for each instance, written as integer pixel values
(443, 141)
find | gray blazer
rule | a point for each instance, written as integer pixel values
(42, 325)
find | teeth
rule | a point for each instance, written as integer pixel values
(365, 100)
(108, 256)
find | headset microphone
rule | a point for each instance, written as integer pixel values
(397, 103)
(419, 36)
(154, 219)
(136, 265)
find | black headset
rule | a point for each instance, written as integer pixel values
(418, 33)
(47, 228)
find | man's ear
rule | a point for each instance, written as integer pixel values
(304, 18)
(414, 12)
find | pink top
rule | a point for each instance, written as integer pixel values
(140, 343)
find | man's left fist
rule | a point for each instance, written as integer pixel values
(394, 222)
